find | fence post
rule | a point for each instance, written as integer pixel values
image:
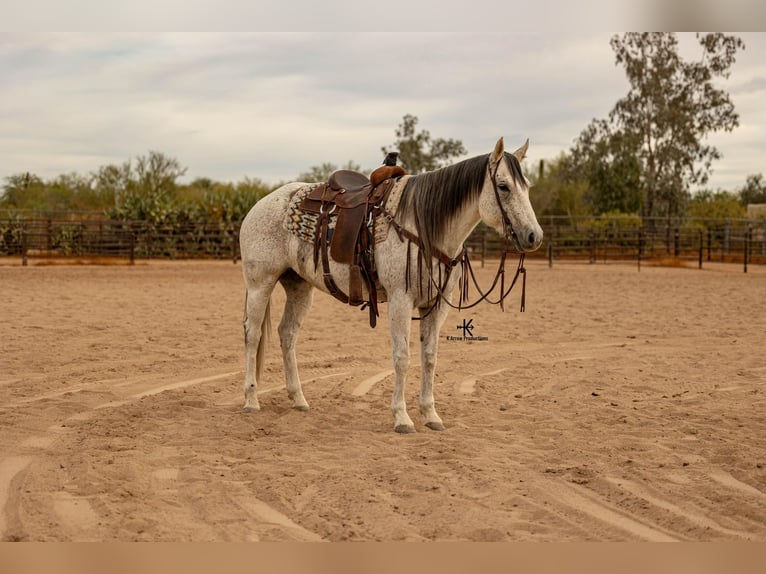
(709, 242)
(24, 247)
(667, 239)
(676, 243)
(750, 241)
(132, 246)
(640, 246)
(592, 242)
(700, 250)
(746, 246)
(550, 252)
(234, 242)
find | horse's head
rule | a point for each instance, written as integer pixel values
(504, 201)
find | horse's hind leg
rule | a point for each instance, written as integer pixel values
(257, 326)
(299, 296)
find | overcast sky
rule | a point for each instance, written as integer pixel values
(272, 105)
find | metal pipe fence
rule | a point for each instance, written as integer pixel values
(129, 240)
(617, 239)
(592, 240)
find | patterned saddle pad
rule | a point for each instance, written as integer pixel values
(303, 224)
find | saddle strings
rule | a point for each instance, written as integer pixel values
(466, 271)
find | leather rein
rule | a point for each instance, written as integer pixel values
(467, 270)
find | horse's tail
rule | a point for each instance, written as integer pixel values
(264, 341)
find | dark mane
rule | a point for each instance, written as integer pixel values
(435, 197)
(515, 168)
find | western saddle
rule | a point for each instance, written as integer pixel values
(355, 201)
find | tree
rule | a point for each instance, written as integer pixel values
(322, 172)
(156, 174)
(149, 188)
(556, 190)
(74, 191)
(754, 190)
(113, 181)
(670, 109)
(708, 204)
(418, 152)
(609, 163)
(23, 191)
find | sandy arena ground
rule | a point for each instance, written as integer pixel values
(620, 406)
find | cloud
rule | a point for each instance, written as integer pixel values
(271, 105)
(754, 85)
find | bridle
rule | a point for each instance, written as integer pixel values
(465, 263)
(508, 231)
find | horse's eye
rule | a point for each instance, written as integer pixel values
(503, 187)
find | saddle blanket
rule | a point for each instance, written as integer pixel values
(303, 224)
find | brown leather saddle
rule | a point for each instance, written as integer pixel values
(355, 201)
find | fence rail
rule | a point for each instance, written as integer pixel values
(53, 238)
(602, 240)
(566, 239)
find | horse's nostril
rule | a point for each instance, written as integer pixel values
(531, 238)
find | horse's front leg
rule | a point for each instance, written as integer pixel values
(400, 319)
(430, 326)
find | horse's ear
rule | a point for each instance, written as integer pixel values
(497, 154)
(521, 153)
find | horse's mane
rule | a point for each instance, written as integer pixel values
(434, 198)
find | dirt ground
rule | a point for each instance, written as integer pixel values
(621, 405)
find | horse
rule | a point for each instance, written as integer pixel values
(440, 208)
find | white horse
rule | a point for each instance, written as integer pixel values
(441, 208)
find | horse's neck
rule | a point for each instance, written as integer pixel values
(460, 228)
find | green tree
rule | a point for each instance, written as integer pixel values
(670, 109)
(418, 152)
(23, 191)
(754, 190)
(206, 200)
(113, 181)
(322, 172)
(149, 188)
(556, 190)
(707, 204)
(609, 163)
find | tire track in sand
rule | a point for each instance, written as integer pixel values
(77, 513)
(724, 478)
(586, 502)
(692, 517)
(367, 384)
(9, 468)
(468, 386)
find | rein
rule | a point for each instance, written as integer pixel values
(466, 268)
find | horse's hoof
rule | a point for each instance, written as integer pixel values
(301, 408)
(251, 409)
(404, 429)
(435, 425)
